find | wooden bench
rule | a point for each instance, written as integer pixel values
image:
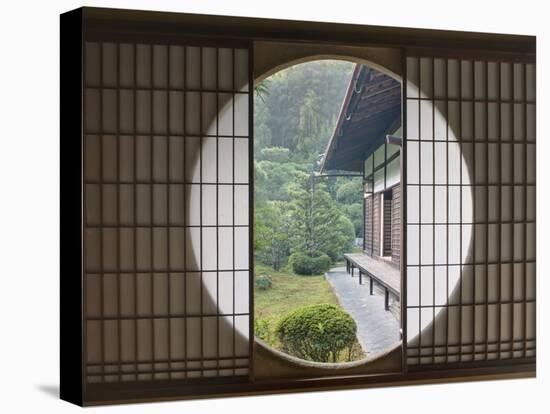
(384, 273)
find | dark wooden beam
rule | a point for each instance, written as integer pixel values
(167, 24)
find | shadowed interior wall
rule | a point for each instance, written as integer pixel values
(470, 207)
(166, 214)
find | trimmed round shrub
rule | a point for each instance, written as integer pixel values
(264, 282)
(316, 332)
(321, 264)
(303, 264)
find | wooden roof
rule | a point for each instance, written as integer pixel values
(371, 109)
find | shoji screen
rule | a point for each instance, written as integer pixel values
(470, 210)
(166, 211)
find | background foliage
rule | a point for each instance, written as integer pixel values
(295, 114)
(302, 223)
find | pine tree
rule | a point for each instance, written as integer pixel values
(317, 226)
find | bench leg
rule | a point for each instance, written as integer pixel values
(371, 285)
(386, 299)
(360, 277)
(347, 266)
(352, 269)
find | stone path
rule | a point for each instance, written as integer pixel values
(377, 329)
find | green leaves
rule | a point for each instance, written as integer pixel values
(317, 332)
(297, 107)
(263, 282)
(349, 191)
(318, 226)
(275, 154)
(295, 114)
(262, 89)
(271, 229)
(303, 264)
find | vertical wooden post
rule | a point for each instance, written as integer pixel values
(371, 285)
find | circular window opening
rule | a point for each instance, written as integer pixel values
(313, 161)
(326, 211)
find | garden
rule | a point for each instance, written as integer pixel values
(303, 223)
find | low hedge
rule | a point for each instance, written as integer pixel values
(303, 264)
(317, 332)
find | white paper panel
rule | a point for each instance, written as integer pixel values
(241, 205)
(225, 160)
(208, 159)
(161, 155)
(440, 76)
(225, 114)
(208, 68)
(480, 80)
(225, 205)
(426, 77)
(413, 160)
(192, 112)
(426, 204)
(427, 286)
(225, 69)
(453, 80)
(440, 121)
(413, 117)
(225, 300)
(413, 202)
(209, 200)
(426, 120)
(466, 79)
(378, 180)
(209, 248)
(193, 65)
(225, 243)
(413, 77)
(393, 172)
(480, 201)
(241, 160)
(441, 208)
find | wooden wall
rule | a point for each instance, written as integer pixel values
(371, 244)
(396, 225)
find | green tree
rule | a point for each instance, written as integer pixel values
(262, 89)
(317, 225)
(271, 233)
(350, 191)
(295, 113)
(278, 176)
(354, 212)
(275, 154)
(299, 106)
(260, 185)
